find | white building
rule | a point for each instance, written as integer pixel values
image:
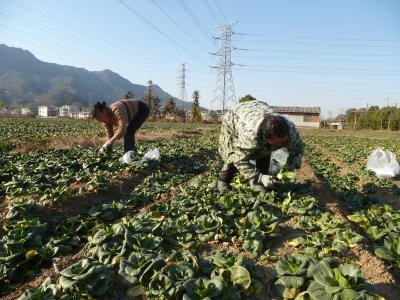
(65, 110)
(335, 125)
(80, 115)
(47, 111)
(300, 116)
(26, 111)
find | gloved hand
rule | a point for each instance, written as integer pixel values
(105, 148)
(256, 186)
(266, 180)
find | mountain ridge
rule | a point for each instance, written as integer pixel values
(26, 80)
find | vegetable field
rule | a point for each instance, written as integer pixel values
(76, 225)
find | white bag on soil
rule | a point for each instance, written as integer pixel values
(128, 157)
(152, 154)
(383, 163)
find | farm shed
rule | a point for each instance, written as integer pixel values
(300, 116)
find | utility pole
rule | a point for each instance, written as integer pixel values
(224, 92)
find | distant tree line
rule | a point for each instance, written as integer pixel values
(374, 117)
(170, 111)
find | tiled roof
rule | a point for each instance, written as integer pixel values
(297, 109)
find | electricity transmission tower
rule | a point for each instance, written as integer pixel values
(224, 93)
(182, 83)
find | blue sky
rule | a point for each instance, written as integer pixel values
(332, 54)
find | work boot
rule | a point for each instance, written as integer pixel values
(222, 186)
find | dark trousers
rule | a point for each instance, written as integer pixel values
(134, 125)
(262, 164)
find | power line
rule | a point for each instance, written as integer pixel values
(178, 25)
(314, 44)
(315, 38)
(72, 40)
(319, 53)
(315, 59)
(317, 72)
(193, 17)
(220, 10)
(318, 68)
(212, 12)
(161, 32)
(96, 38)
(88, 56)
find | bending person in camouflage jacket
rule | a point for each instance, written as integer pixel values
(251, 131)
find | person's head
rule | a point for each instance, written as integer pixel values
(101, 112)
(275, 130)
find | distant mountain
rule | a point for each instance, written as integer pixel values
(26, 80)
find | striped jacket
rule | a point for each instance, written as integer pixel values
(242, 140)
(124, 111)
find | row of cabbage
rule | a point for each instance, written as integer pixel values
(167, 251)
(19, 131)
(58, 173)
(33, 238)
(378, 222)
(354, 152)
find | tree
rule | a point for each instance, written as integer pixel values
(350, 115)
(169, 108)
(246, 98)
(180, 112)
(156, 107)
(196, 112)
(385, 118)
(148, 99)
(129, 95)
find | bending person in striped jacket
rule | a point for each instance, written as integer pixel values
(127, 114)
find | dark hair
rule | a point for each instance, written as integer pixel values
(275, 126)
(99, 107)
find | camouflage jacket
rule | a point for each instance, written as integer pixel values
(241, 139)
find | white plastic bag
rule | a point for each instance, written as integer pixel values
(127, 158)
(278, 161)
(152, 154)
(383, 163)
